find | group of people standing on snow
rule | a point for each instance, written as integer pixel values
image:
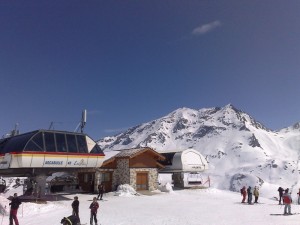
(284, 197)
(71, 220)
(249, 194)
(74, 218)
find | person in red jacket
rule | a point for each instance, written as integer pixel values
(14, 205)
(244, 194)
(287, 201)
(94, 208)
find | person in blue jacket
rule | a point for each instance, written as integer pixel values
(249, 192)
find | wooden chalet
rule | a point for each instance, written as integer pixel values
(137, 167)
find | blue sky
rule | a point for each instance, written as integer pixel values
(129, 62)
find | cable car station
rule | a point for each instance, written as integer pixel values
(42, 152)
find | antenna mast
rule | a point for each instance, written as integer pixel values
(83, 120)
(15, 131)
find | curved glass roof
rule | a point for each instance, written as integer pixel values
(49, 141)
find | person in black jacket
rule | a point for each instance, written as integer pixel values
(101, 190)
(249, 192)
(280, 190)
(75, 207)
(14, 205)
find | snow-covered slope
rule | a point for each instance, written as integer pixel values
(184, 207)
(240, 150)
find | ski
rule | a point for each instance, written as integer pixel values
(86, 224)
(281, 214)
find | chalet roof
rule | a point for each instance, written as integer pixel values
(131, 153)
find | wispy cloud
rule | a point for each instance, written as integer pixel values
(205, 28)
(198, 31)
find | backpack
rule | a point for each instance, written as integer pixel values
(241, 190)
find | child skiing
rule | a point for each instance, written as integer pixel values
(287, 200)
(94, 208)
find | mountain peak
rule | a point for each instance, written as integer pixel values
(232, 142)
(229, 106)
(184, 127)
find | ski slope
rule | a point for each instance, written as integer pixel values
(183, 207)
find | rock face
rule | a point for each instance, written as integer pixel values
(233, 142)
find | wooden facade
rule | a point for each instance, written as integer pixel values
(137, 167)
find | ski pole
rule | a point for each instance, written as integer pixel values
(2, 218)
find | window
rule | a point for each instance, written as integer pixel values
(36, 143)
(82, 146)
(61, 142)
(71, 141)
(88, 178)
(96, 149)
(17, 143)
(49, 142)
(105, 177)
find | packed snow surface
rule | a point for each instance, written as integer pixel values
(180, 207)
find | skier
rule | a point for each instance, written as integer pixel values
(287, 200)
(14, 205)
(94, 207)
(29, 187)
(101, 190)
(298, 197)
(256, 194)
(280, 190)
(243, 193)
(249, 192)
(75, 207)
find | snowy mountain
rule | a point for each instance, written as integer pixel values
(239, 149)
